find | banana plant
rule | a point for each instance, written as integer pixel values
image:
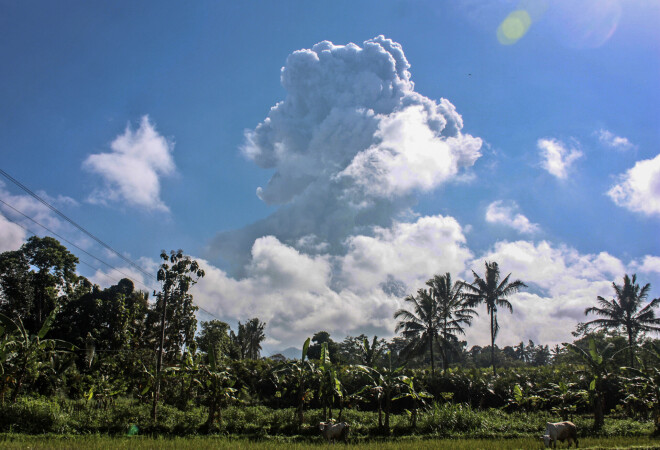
(566, 397)
(382, 385)
(330, 387)
(301, 372)
(417, 398)
(218, 384)
(597, 368)
(643, 386)
(28, 352)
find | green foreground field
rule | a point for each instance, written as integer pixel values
(141, 442)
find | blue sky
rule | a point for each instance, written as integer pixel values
(140, 122)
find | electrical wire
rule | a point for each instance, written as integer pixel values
(79, 227)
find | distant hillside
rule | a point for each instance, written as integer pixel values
(290, 353)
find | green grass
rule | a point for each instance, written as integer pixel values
(140, 442)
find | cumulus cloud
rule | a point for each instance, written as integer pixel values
(650, 264)
(15, 208)
(611, 140)
(556, 157)
(638, 189)
(131, 171)
(501, 213)
(562, 283)
(12, 236)
(354, 292)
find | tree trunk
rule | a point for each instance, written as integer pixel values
(380, 414)
(431, 344)
(492, 341)
(301, 404)
(388, 408)
(599, 411)
(211, 417)
(159, 363)
(630, 348)
(19, 382)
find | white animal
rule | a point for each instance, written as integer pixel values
(560, 431)
(334, 431)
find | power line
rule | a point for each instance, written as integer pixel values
(68, 242)
(79, 227)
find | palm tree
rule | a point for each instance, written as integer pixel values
(493, 293)
(420, 327)
(453, 311)
(623, 312)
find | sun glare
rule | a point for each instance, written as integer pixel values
(514, 27)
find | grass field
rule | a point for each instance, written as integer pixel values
(141, 442)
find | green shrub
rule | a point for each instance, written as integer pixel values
(33, 416)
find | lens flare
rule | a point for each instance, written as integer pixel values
(514, 27)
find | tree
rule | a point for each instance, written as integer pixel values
(301, 372)
(597, 367)
(623, 312)
(453, 312)
(493, 293)
(214, 336)
(33, 294)
(112, 319)
(420, 326)
(176, 279)
(29, 351)
(249, 338)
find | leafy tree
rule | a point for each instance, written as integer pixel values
(421, 325)
(320, 338)
(453, 312)
(177, 274)
(626, 311)
(214, 336)
(249, 338)
(33, 294)
(111, 319)
(493, 293)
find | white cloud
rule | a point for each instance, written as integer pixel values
(650, 264)
(611, 140)
(500, 213)
(639, 188)
(557, 158)
(562, 284)
(132, 170)
(298, 294)
(12, 236)
(30, 207)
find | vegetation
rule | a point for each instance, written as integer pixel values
(76, 359)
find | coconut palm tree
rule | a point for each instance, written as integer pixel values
(453, 311)
(623, 311)
(421, 325)
(493, 293)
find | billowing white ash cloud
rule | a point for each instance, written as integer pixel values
(351, 145)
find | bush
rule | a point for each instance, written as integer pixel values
(33, 416)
